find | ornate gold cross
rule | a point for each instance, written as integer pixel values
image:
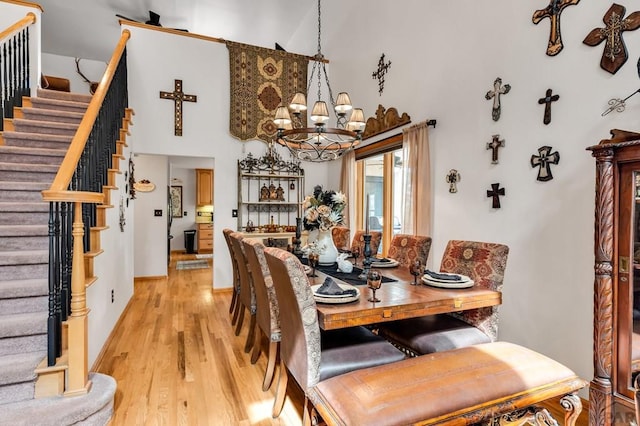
(178, 96)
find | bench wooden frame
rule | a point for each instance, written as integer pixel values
(497, 382)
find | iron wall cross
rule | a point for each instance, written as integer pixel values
(495, 192)
(547, 107)
(615, 51)
(178, 96)
(498, 89)
(553, 12)
(544, 161)
(380, 73)
(494, 145)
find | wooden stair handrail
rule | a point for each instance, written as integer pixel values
(58, 190)
(29, 19)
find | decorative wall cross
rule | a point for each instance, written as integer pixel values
(544, 161)
(495, 193)
(548, 98)
(380, 73)
(498, 89)
(453, 177)
(178, 96)
(494, 145)
(615, 51)
(553, 12)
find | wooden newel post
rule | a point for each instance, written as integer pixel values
(78, 376)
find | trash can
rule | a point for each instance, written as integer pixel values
(189, 240)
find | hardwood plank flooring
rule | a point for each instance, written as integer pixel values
(177, 360)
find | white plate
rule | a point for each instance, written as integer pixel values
(447, 284)
(463, 278)
(335, 298)
(391, 264)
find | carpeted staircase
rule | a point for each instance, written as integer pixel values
(31, 150)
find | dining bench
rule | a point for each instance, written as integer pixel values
(499, 380)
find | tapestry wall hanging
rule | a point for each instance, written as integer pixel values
(261, 80)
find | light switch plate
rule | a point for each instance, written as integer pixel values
(157, 212)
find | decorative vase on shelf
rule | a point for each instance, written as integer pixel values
(329, 255)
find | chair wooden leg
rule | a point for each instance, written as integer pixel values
(240, 319)
(281, 390)
(236, 311)
(252, 329)
(306, 415)
(271, 365)
(257, 345)
(234, 300)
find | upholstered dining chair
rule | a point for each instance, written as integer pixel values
(340, 235)
(309, 354)
(247, 297)
(234, 307)
(485, 264)
(267, 311)
(358, 241)
(407, 248)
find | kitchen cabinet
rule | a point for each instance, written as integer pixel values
(204, 187)
(205, 237)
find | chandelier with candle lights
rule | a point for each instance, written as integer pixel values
(319, 143)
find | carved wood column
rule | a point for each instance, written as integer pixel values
(600, 391)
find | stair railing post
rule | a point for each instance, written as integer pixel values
(78, 378)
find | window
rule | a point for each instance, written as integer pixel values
(380, 178)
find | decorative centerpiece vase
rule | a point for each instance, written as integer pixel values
(330, 253)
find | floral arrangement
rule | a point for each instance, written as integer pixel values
(323, 210)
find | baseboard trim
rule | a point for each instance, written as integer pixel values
(222, 290)
(100, 356)
(150, 278)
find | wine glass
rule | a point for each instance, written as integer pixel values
(313, 262)
(415, 267)
(374, 281)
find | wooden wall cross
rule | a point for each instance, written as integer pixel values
(495, 193)
(380, 73)
(548, 98)
(494, 145)
(553, 12)
(178, 96)
(498, 89)
(615, 51)
(544, 161)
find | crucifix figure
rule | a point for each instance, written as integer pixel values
(498, 89)
(493, 146)
(380, 73)
(544, 161)
(553, 12)
(453, 177)
(615, 51)
(178, 96)
(548, 98)
(495, 193)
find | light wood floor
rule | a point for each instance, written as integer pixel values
(177, 360)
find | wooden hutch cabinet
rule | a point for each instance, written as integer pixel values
(616, 349)
(204, 187)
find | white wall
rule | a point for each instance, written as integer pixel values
(445, 56)
(155, 60)
(65, 67)
(10, 13)
(187, 179)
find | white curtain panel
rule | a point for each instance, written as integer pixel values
(416, 177)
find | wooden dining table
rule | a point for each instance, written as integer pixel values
(400, 299)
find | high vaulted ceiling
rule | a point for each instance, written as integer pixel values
(90, 29)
